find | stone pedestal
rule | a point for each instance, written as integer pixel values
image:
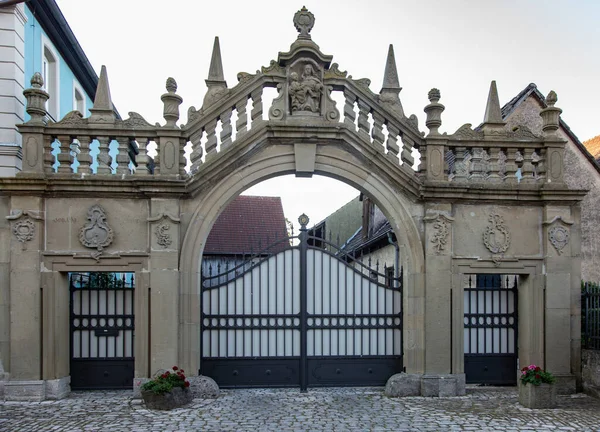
(444, 385)
(29, 391)
(537, 397)
(58, 388)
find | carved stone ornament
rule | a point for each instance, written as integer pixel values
(496, 236)
(559, 237)
(163, 238)
(335, 72)
(24, 229)
(466, 133)
(134, 120)
(305, 90)
(441, 227)
(96, 234)
(73, 118)
(304, 22)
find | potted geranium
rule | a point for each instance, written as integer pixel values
(167, 390)
(537, 388)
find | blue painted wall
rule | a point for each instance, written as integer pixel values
(33, 63)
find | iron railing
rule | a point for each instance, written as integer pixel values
(590, 315)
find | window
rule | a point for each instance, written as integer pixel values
(50, 75)
(78, 101)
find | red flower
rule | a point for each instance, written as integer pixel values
(537, 376)
(537, 369)
(182, 371)
(524, 369)
(187, 384)
(175, 368)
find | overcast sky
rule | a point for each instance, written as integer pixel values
(458, 46)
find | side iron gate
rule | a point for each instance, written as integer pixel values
(305, 316)
(490, 329)
(102, 330)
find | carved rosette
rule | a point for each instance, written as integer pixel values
(163, 238)
(559, 237)
(96, 234)
(24, 229)
(496, 236)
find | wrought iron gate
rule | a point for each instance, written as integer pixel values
(490, 329)
(305, 316)
(102, 330)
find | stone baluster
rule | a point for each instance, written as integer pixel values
(462, 163)
(511, 166)
(527, 169)
(182, 159)
(242, 120)
(257, 109)
(123, 155)
(407, 147)
(422, 168)
(477, 170)
(104, 158)
(349, 113)
(49, 159)
(226, 129)
(84, 157)
(363, 119)
(494, 168)
(541, 166)
(65, 159)
(449, 162)
(377, 131)
(141, 159)
(391, 144)
(196, 155)
(211, 138)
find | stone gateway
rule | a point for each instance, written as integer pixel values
(488, 230)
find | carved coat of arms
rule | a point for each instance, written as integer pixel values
(96, 234)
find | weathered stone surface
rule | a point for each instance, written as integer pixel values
(30, 391)
(537, 397)
(204, 387)
(174, 399)
(403, 384)
(590, 372)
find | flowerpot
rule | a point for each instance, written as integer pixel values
(176, 398)
(537, 396)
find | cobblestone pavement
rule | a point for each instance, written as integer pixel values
(349, 409)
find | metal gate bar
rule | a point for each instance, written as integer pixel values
(491, 329)
(101, 326)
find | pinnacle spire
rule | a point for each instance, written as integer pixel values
(215, 73)
(102, 111)
(102, 100)
(390, 76)
(493, 114)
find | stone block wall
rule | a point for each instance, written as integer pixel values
(590, 372)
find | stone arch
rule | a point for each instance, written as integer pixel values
(280, 160)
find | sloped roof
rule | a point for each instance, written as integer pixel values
(356, 243)
(248, 225)
(593, 146)
(532, 90)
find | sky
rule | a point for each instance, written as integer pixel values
(457, 46)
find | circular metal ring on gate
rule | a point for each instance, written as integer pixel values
(338, 371)
(268, 372)
(309, 322)
(235, 373)
(397, 321)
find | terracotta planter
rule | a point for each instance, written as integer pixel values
(536, 397)
(174, 399)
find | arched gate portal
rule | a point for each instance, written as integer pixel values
(483, 202)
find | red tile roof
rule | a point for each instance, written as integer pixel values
(593, 146)
(248, 224)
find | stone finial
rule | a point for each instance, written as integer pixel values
(171, 85)
(493, 113)
(36, 99)
(434, 112)
(550, 116)
(171, 102)
(391, 85)
(304, 22)
(217, 86)
(102, 111)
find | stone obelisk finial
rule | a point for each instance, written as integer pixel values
(493, 114)
(391, 85)
(102, 111)
(217, 86)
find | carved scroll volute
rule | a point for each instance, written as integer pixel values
(439, 234)
(23, 225)
(164, 232)
(96, 233)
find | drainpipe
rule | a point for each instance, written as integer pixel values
(397, 264)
